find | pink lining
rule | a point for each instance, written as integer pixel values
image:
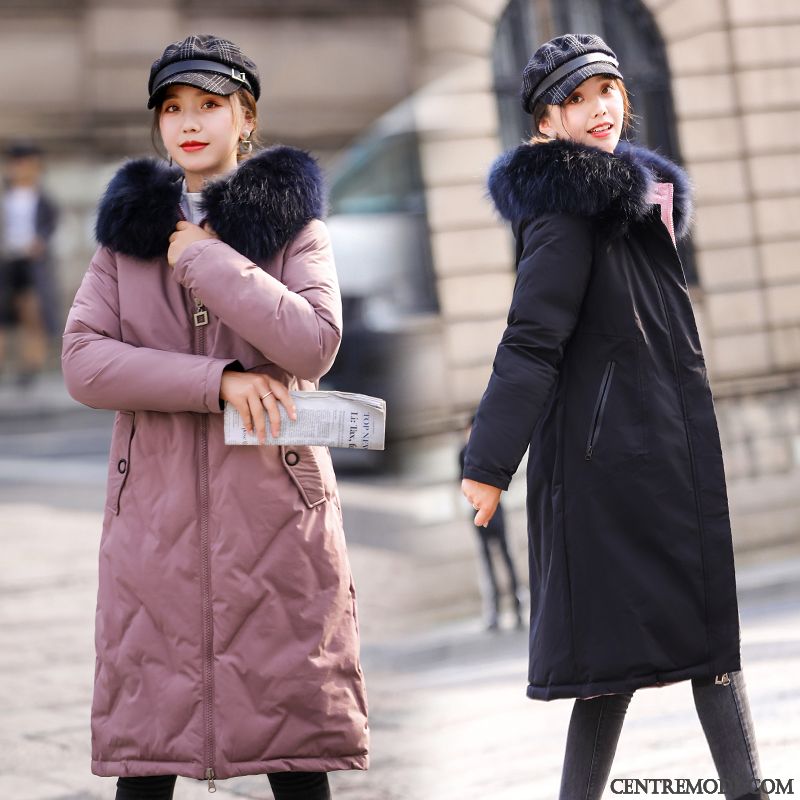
(661, 195)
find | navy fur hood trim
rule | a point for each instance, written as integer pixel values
(256, 209)
(562, 176)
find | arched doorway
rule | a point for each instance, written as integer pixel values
(631, 31)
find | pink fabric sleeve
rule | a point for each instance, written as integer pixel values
(101, 371)
(295, 322)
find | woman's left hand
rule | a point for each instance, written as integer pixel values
(184, 234)
(484, 499)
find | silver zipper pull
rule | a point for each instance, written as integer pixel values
(200, 314)
(210, 779)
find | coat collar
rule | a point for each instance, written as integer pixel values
(256, 209)
(567, 177)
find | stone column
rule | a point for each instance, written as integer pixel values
(472, 250)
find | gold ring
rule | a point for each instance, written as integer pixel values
(265, 395)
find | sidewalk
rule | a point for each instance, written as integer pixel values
(448, 711)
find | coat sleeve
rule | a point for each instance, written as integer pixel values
(295, 322)
(553, 273)
(102, 371)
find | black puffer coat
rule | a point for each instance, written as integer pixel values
(600, 370)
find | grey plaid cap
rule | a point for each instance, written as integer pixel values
(559, 66)
(212, 64)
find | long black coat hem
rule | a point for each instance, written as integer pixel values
(600, 373)
(655, 680)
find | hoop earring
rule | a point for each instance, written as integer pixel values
(245, 145)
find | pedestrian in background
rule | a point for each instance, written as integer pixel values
(600, 370)
(28, 288)
(226, 630)
(492, 544)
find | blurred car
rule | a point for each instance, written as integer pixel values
(379, 230)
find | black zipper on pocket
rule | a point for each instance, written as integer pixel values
(599, 407)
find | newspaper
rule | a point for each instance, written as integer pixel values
(334, 419)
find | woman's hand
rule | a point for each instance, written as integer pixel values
(245, 392)
(484, 499)
(184, 234)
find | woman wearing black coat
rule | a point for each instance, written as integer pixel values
(600, 371)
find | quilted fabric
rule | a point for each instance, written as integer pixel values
(226, 629)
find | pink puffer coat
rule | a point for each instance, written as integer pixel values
(226, 629)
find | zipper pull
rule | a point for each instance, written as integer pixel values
(200, 313)
(210, 779)
(589, 451)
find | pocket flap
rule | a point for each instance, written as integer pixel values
(303, 468)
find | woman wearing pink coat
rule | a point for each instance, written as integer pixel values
(226, 629)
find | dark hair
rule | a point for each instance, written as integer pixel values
(20, 149)
(540, 109)
(247, 103)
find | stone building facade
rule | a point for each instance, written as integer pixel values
(737, 109)
(79, 71)
(331, 67)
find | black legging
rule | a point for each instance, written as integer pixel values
(284, 785)
(724, 712)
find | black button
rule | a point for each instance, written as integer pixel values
(122, 465)
(291, 457)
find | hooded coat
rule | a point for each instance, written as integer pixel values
(600, 370)
(226, 628)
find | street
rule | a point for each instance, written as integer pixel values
(448, 711)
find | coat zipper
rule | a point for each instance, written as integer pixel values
(676, 362)
(599, 407)
(200, 320)
(200, 315)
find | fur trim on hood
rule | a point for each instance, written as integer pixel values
(256, 209)
(562, 176)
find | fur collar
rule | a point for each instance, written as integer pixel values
(256, 209)
(567, 177)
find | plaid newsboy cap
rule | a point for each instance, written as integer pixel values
(562, 64)
(207, 62)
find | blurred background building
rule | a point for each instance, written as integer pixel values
(406, 104)
(329, 69)
(716, 86)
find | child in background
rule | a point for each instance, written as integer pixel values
(28, 289)
(491, 538)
